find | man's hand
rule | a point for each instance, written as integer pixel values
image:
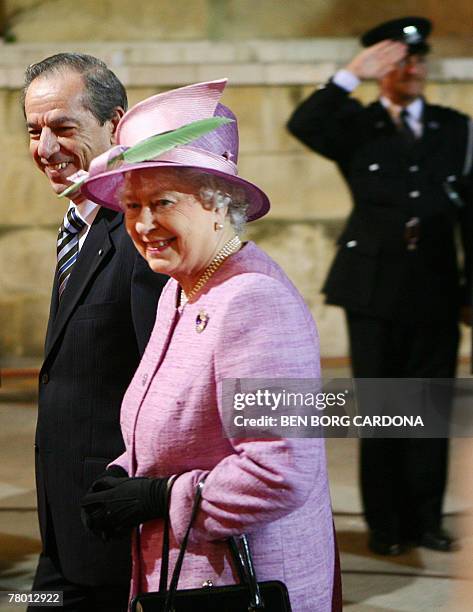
(377, 60)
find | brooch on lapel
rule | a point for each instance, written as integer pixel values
(201, 321)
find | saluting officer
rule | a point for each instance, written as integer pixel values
(396, 272)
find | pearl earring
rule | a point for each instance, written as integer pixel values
(218, 226)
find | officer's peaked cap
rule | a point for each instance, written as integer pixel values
(410, 30)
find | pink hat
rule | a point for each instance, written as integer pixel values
(214, 153)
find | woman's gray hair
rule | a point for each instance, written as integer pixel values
(216, 192)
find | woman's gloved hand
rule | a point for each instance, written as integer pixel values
(115, 503)
(102, 482)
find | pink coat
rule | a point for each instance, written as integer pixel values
(276, 490)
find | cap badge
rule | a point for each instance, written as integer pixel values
(411, 35)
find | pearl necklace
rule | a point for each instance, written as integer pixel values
(230, 247)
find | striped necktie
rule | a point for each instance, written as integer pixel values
(68, 247)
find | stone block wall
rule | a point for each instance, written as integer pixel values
(134, 20)
(267, 79)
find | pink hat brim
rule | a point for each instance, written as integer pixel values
(103, 188)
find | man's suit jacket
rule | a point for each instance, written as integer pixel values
(391, 183)
(95, 338)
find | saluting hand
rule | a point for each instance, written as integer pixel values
(377, 60)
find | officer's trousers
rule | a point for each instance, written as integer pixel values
(402, 480)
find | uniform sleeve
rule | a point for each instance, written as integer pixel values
(266, 333)
(466, 226)
(466, 218)
(322, 121)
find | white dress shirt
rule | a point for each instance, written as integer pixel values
(414, 113)
(87, 211)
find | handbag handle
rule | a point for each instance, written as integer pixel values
(239, 548)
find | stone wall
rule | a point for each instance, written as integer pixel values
(133, 20)
(267, 79)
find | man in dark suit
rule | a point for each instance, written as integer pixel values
(396, 271)
(103, 308)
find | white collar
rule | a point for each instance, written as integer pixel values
(414, 109)
(86, 210)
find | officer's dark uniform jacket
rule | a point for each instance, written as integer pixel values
(392, 182)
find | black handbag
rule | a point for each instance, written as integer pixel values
(247, 596)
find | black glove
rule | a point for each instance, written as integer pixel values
(102, 482)
(106, 480)
(114, 504)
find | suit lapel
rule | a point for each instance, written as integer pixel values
(92, 255)
(379, 118)
(379, 113)
(52, 313)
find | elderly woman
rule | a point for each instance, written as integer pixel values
(227, 312)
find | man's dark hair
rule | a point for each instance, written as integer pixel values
(103, 91)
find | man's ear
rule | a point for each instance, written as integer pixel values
(117, 115)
